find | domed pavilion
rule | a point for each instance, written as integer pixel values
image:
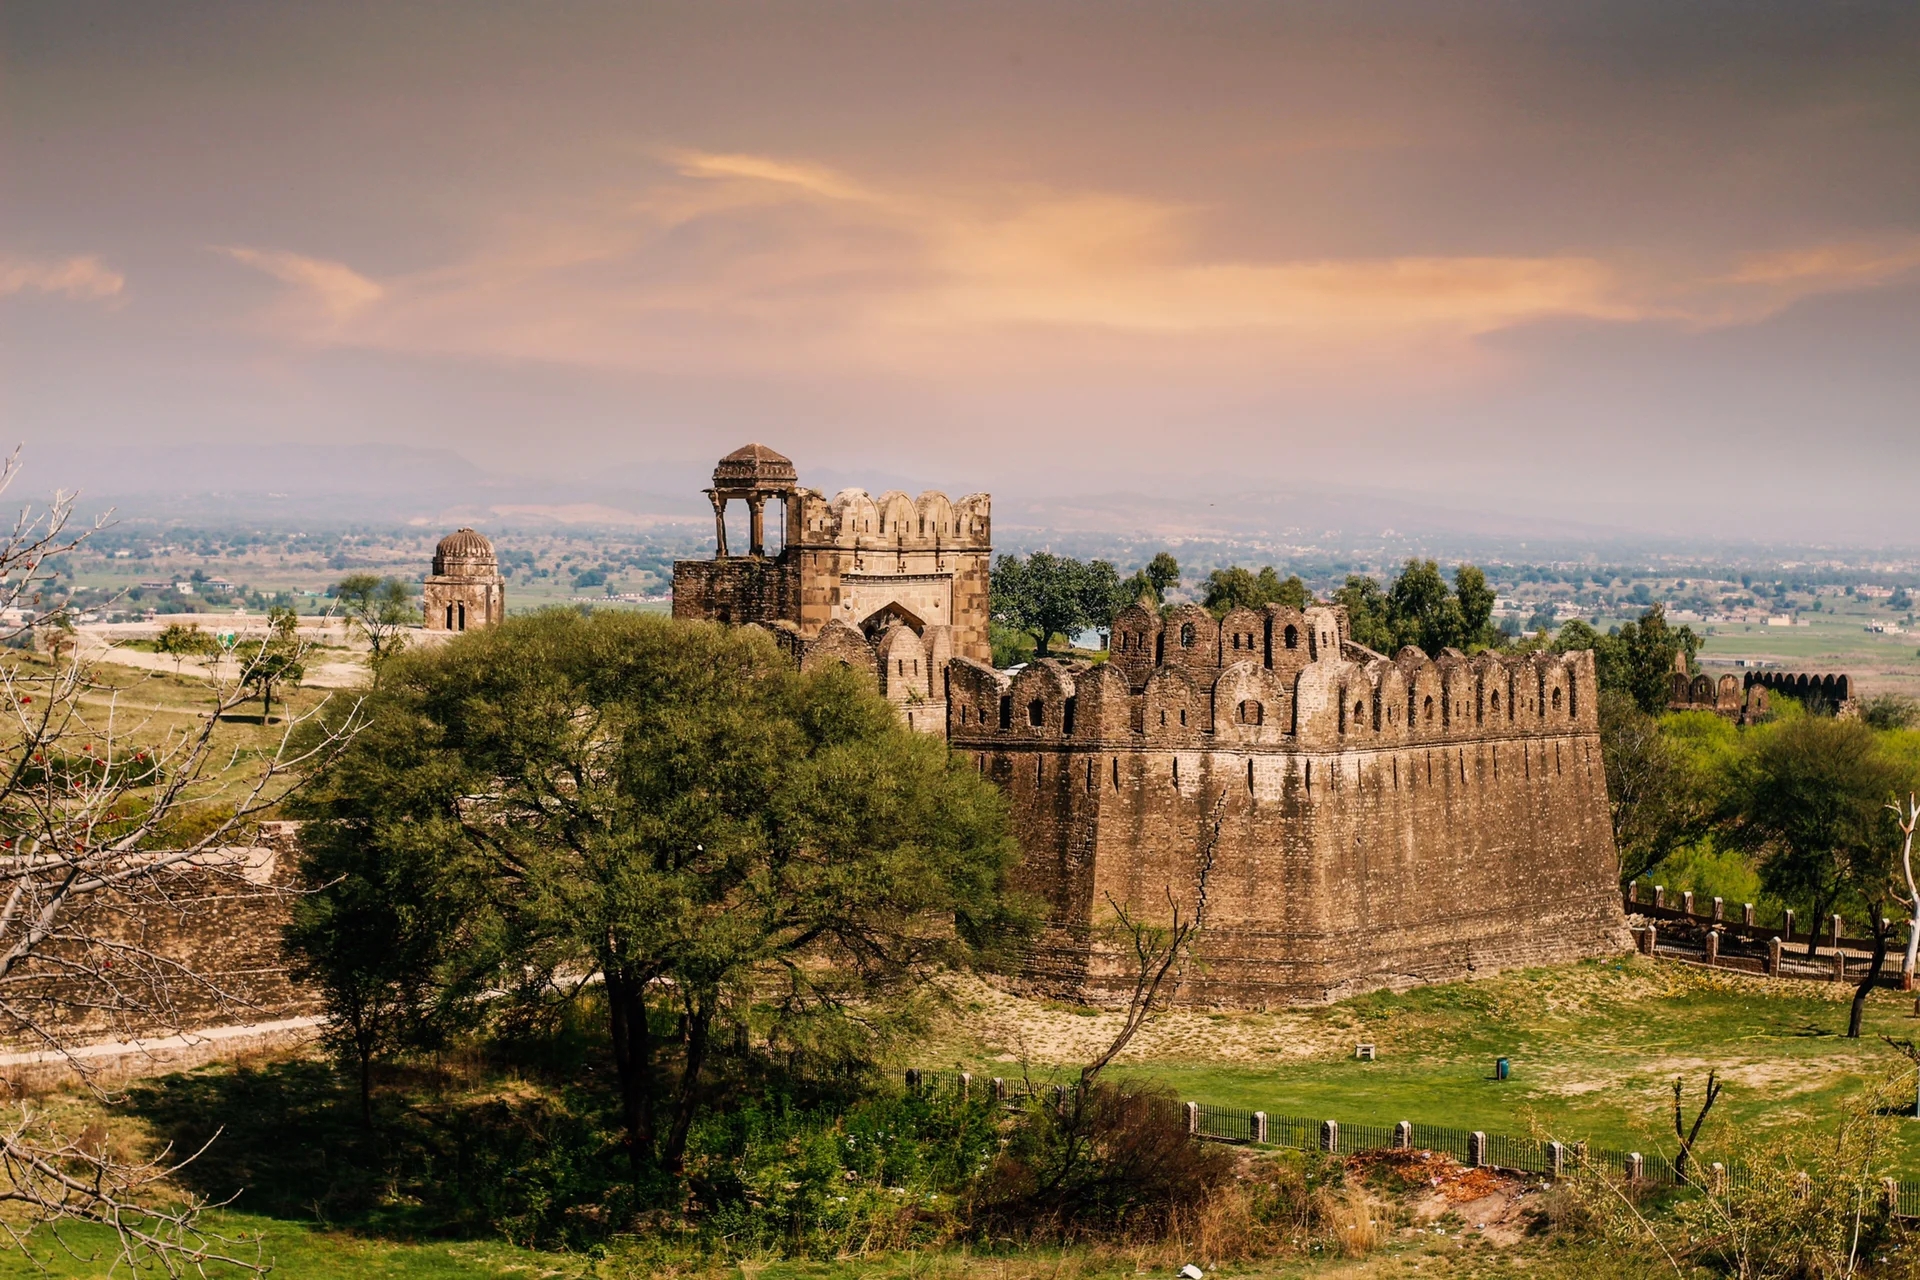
(465, 589)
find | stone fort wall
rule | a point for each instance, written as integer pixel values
(1360, 821)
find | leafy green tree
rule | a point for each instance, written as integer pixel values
(1163, 571)
(1160, 573)
(275, 659)
(1234, 587)
(673, 809)
(180, 642)
(1638, 659)
(382, 954)
(1369, 621)
(1424, 611)
(1809, 797)
(1476, 605)
(1046, 595)
(383, 610)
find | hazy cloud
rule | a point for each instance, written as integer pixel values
(85, 277)
(758, 262)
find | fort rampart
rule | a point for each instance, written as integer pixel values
(1341, 819)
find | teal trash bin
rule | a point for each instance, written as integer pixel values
(1501, 1068)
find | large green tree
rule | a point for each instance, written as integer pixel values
(382, 608)
(1420, 609)
(1234, 587)
(670, 811)
(1808, 796)
(1638, 659)
(1046, 595)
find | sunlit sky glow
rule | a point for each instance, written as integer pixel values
(1655, 265)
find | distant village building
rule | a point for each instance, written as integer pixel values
(465, 589)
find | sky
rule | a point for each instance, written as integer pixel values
(1652, 266)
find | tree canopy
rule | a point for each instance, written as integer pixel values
(382, 608)
(1419, 608)
(1046, 595)
(1234, 587)
(1637, 659)
(664, 812)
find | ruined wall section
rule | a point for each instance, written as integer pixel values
(738, 589)
(1370, 824)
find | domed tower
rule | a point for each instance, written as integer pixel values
(465, 589)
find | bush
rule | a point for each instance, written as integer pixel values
(1108, 1162)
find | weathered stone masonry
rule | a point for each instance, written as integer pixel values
(1365, 821)
(1369, 822)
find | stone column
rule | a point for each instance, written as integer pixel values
(719, 521)
(1713, 947)
(1786, 928)
(1836, 930)
(757, 526)
(1260, 1127)
(1403, 1136)
(1686, 901)
(1477, 1149)
(1636, 1166)
(1659, 895)
(1330, 1136)
(1773, 957)
(1746, 914)
(1193, 1118)
(1719, 910)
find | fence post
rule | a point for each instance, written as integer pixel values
(1713, 947)
(1649, 938)
(1403, 1136)
(1330, 1136)
(1891, 1190)
(1836, 930)
(1059, 1097)
(1773, 957)
(1719, 910)
(1717, 1178)
(1193, 1118)
(966, 1083)
(913, 1080)
(1636, 1166)
(1802, 1186)
(1477, 1149)
(1786, 929)
(1839, 966)
(1260, 1127)
(1633, 893)
(999, 1089)
(1557, 1159)
(1659, 895)
(1746, 914)
(1686, 901)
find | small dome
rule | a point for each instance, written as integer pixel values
(754, 466)
(464, 553)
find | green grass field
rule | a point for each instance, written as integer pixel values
(1594, 1047)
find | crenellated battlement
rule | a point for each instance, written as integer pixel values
(855, 520)
(1353, 820)
(1332, 702)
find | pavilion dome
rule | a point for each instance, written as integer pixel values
(465, 554)
(754, 466)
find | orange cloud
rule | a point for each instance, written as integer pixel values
(336, 290)
(84, 278)
(745, 262)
